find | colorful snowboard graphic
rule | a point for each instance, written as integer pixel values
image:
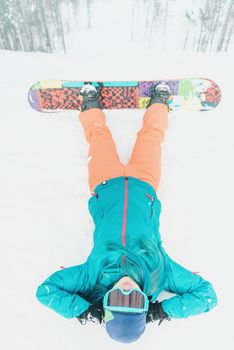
(193, 94)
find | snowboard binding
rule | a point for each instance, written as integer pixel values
(161, 93)
(90, 97)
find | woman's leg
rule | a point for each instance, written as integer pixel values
(104, 162)
(145, 161)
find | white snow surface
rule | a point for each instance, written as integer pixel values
(44, 218)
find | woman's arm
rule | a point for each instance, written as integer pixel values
(194, 294)
(60, 291)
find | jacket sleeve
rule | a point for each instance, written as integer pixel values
(194, 294)
(60, 291)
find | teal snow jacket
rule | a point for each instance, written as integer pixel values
(123, 208)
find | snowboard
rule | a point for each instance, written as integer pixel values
(192, 94)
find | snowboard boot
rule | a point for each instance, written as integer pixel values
(161, 93)
(90, 97)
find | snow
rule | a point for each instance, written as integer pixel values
(44, 218)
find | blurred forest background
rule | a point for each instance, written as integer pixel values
(53, 26)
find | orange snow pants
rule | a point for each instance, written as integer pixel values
(145, 161)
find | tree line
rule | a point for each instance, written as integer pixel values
(43, 25)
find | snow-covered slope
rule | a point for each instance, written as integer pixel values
(44, 218)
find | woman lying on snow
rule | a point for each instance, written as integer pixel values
(127, 268)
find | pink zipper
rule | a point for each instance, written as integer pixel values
(152, 199)
(125, 211)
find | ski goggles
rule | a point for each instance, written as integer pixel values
(133, 300)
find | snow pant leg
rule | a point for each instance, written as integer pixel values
(145, 161)
(104, 162)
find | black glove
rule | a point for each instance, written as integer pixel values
(155, 312)
(95, 314)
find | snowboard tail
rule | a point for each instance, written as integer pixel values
(194, 94)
